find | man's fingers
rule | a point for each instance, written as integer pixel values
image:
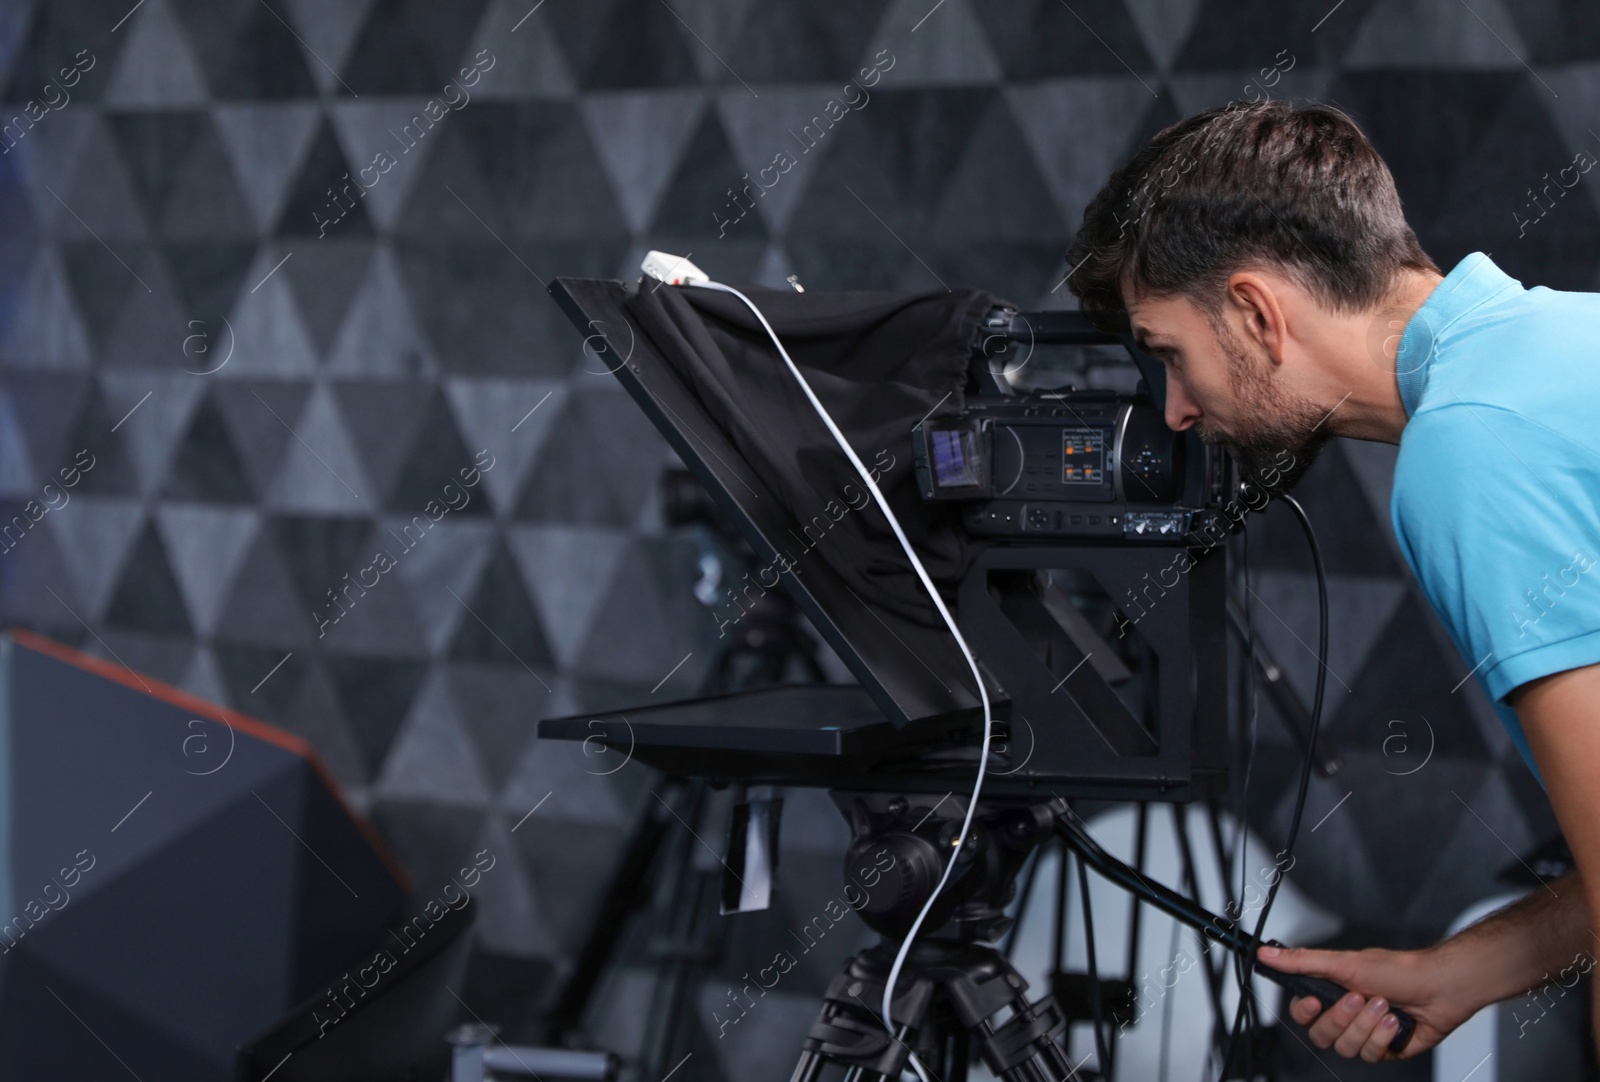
(1335, 1020)
(1354, 1040)
(1305, 1009)
(1331, 964)
(1377, 1046)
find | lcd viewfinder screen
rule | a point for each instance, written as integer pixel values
(955, 457)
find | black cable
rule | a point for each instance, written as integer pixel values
(1166, 1007)
(1246, 761)
(1096, 1009)
(1219, 846)
(1241, 831)
(1141, 832)
(1305, 772)
(1225, 870)
(1191, 882)
(1058, 936)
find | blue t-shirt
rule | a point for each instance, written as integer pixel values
(1497, 487)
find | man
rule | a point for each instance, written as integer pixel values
(1261, 253)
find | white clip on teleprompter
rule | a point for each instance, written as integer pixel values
(674, 270)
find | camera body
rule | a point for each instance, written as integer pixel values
(1076, 464)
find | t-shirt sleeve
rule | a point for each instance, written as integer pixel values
(1498, 516)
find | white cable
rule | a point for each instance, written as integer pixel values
(938, 603)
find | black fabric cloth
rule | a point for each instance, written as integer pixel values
(879, 362)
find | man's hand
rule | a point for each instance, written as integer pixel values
(1361, 1023)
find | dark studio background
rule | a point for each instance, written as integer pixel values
(417, 332)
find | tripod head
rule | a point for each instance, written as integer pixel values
(910, 837)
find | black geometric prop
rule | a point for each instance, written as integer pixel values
(174, 876)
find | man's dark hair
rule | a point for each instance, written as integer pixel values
(1294, 187)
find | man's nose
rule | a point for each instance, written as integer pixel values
(1181, 410)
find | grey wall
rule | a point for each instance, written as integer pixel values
(186, 182)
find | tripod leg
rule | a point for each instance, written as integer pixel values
(688, 889)
(960, 1057)
(809, 1067)
(850, 1033)
(623, 897)
(1026, 1047)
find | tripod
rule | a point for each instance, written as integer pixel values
(953, 986)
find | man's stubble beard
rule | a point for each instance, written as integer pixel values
(1277, 425)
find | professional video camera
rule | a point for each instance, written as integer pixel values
(1068, 463)
(1033, 564)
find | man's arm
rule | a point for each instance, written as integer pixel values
(1517, 949)
(1561, 716)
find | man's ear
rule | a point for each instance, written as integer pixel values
(1256, 309)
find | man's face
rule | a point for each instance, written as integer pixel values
(1230, 394)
